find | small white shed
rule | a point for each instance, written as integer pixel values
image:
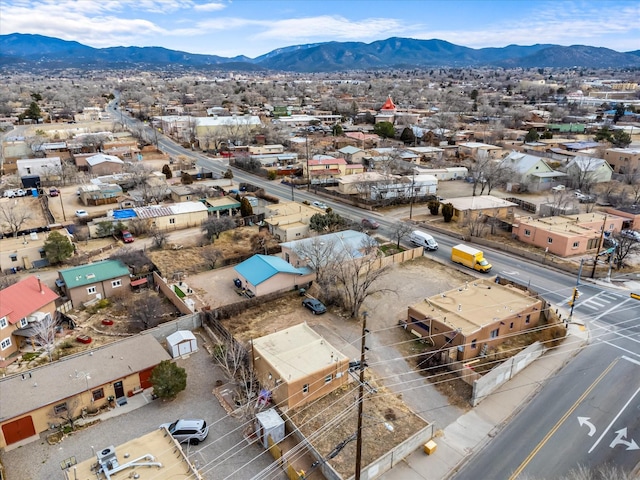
(269, 423)
(182, 342)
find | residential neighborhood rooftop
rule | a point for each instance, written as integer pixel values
(297, 351)
(23, 298)
(476, 304)
(22, 393)
(93, 272)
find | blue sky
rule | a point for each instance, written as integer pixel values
(253, 27)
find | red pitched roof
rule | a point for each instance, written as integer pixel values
(24, 298)
(388, 105)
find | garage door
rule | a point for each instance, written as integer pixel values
(144, 378)
(18, 430)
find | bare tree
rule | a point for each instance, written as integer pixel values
(353, 275)
(145, 310)
(14, 215)
(45, 334)
(625, 247)
(400, 230)
(477, 224)
(260, 242)
(211, 255)
(582, 175)
(213, 227)
(160, 238)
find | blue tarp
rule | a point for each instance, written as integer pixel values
(126, 213)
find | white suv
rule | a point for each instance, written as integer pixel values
(188, 430)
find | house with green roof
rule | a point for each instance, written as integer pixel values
(263, 274)
(94, 281)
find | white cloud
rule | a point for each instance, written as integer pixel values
(328, 27)
(209, 7)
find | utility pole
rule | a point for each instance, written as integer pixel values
(363, 348)
(595, 260)
(306, 141)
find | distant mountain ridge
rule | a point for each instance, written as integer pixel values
(34, 52)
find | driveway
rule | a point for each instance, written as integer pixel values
(227, 454)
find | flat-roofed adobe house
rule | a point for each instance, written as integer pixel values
(33, 401)
(566, 235)
(476, 314)
(22, 304)
(94, 281)
(262, 274)
(298, 365)
(469, 208)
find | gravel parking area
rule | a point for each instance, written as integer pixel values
(224, 454)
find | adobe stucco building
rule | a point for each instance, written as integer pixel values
(476, 314)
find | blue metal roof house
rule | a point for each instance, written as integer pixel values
(263, 274)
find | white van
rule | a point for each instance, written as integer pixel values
(422, 239)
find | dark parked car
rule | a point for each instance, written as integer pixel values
(370, 223)
(315, 305)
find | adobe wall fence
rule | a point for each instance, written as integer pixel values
(505, 371)
(168, 292)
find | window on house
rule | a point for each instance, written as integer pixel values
(474, 343)
(42, 252)
(576, 244)
(172, 221)
(116, 283)
(13, 257)
(3, 322)
(188, 197)
(549, 240)
(6, 343)
(527, 319)
(328, 379)
(305, 388)
(97, 394)
(60, 408)
(527, 233)
(23, 322)
(91, 290)
(494, 333)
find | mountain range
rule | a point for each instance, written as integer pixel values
(36, 52)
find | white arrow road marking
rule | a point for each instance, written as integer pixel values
(585, 421)
(613, 421)
(631, 445)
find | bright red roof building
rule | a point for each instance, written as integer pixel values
(24, 298)
(388, 105)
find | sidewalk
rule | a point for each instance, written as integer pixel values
(473, 430)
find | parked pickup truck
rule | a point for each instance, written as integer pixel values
(470, 257)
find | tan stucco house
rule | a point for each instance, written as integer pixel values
(263, 274)
(34, 401)
(476, 314)
(566, 235)
(94, 281)
(298, 366)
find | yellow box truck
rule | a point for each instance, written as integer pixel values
(470, 257)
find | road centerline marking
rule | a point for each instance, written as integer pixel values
(546, 438)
